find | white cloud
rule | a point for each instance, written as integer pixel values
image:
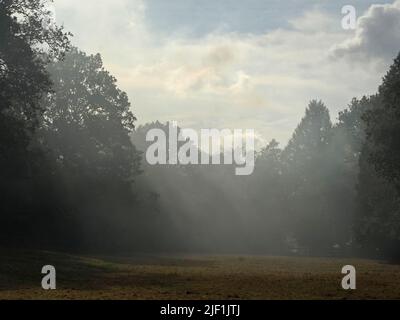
(315, 21)
(221, 80)
(377, 37)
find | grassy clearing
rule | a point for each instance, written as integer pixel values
(192, 277)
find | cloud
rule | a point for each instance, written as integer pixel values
(260, 81)
(315, 21)
(104, 26)
(377, 37)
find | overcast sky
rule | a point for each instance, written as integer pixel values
(251, 64)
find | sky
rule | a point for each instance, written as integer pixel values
(232, 64)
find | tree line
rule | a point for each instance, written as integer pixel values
(73, 177)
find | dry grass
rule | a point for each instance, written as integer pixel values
(193, 277)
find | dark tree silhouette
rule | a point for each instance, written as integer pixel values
(378, 217)
(383, 127)
(88, 120)
(27, 44)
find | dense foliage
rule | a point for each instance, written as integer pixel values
(72, 174)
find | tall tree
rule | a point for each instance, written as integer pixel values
(88, 119)
(306, 179)
(383, 127)
(378, 219)
(29, 40)
(92, 163)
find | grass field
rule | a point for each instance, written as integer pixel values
(192, 277)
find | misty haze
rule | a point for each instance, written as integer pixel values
(84, 87)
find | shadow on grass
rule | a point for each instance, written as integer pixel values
(20, 269)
